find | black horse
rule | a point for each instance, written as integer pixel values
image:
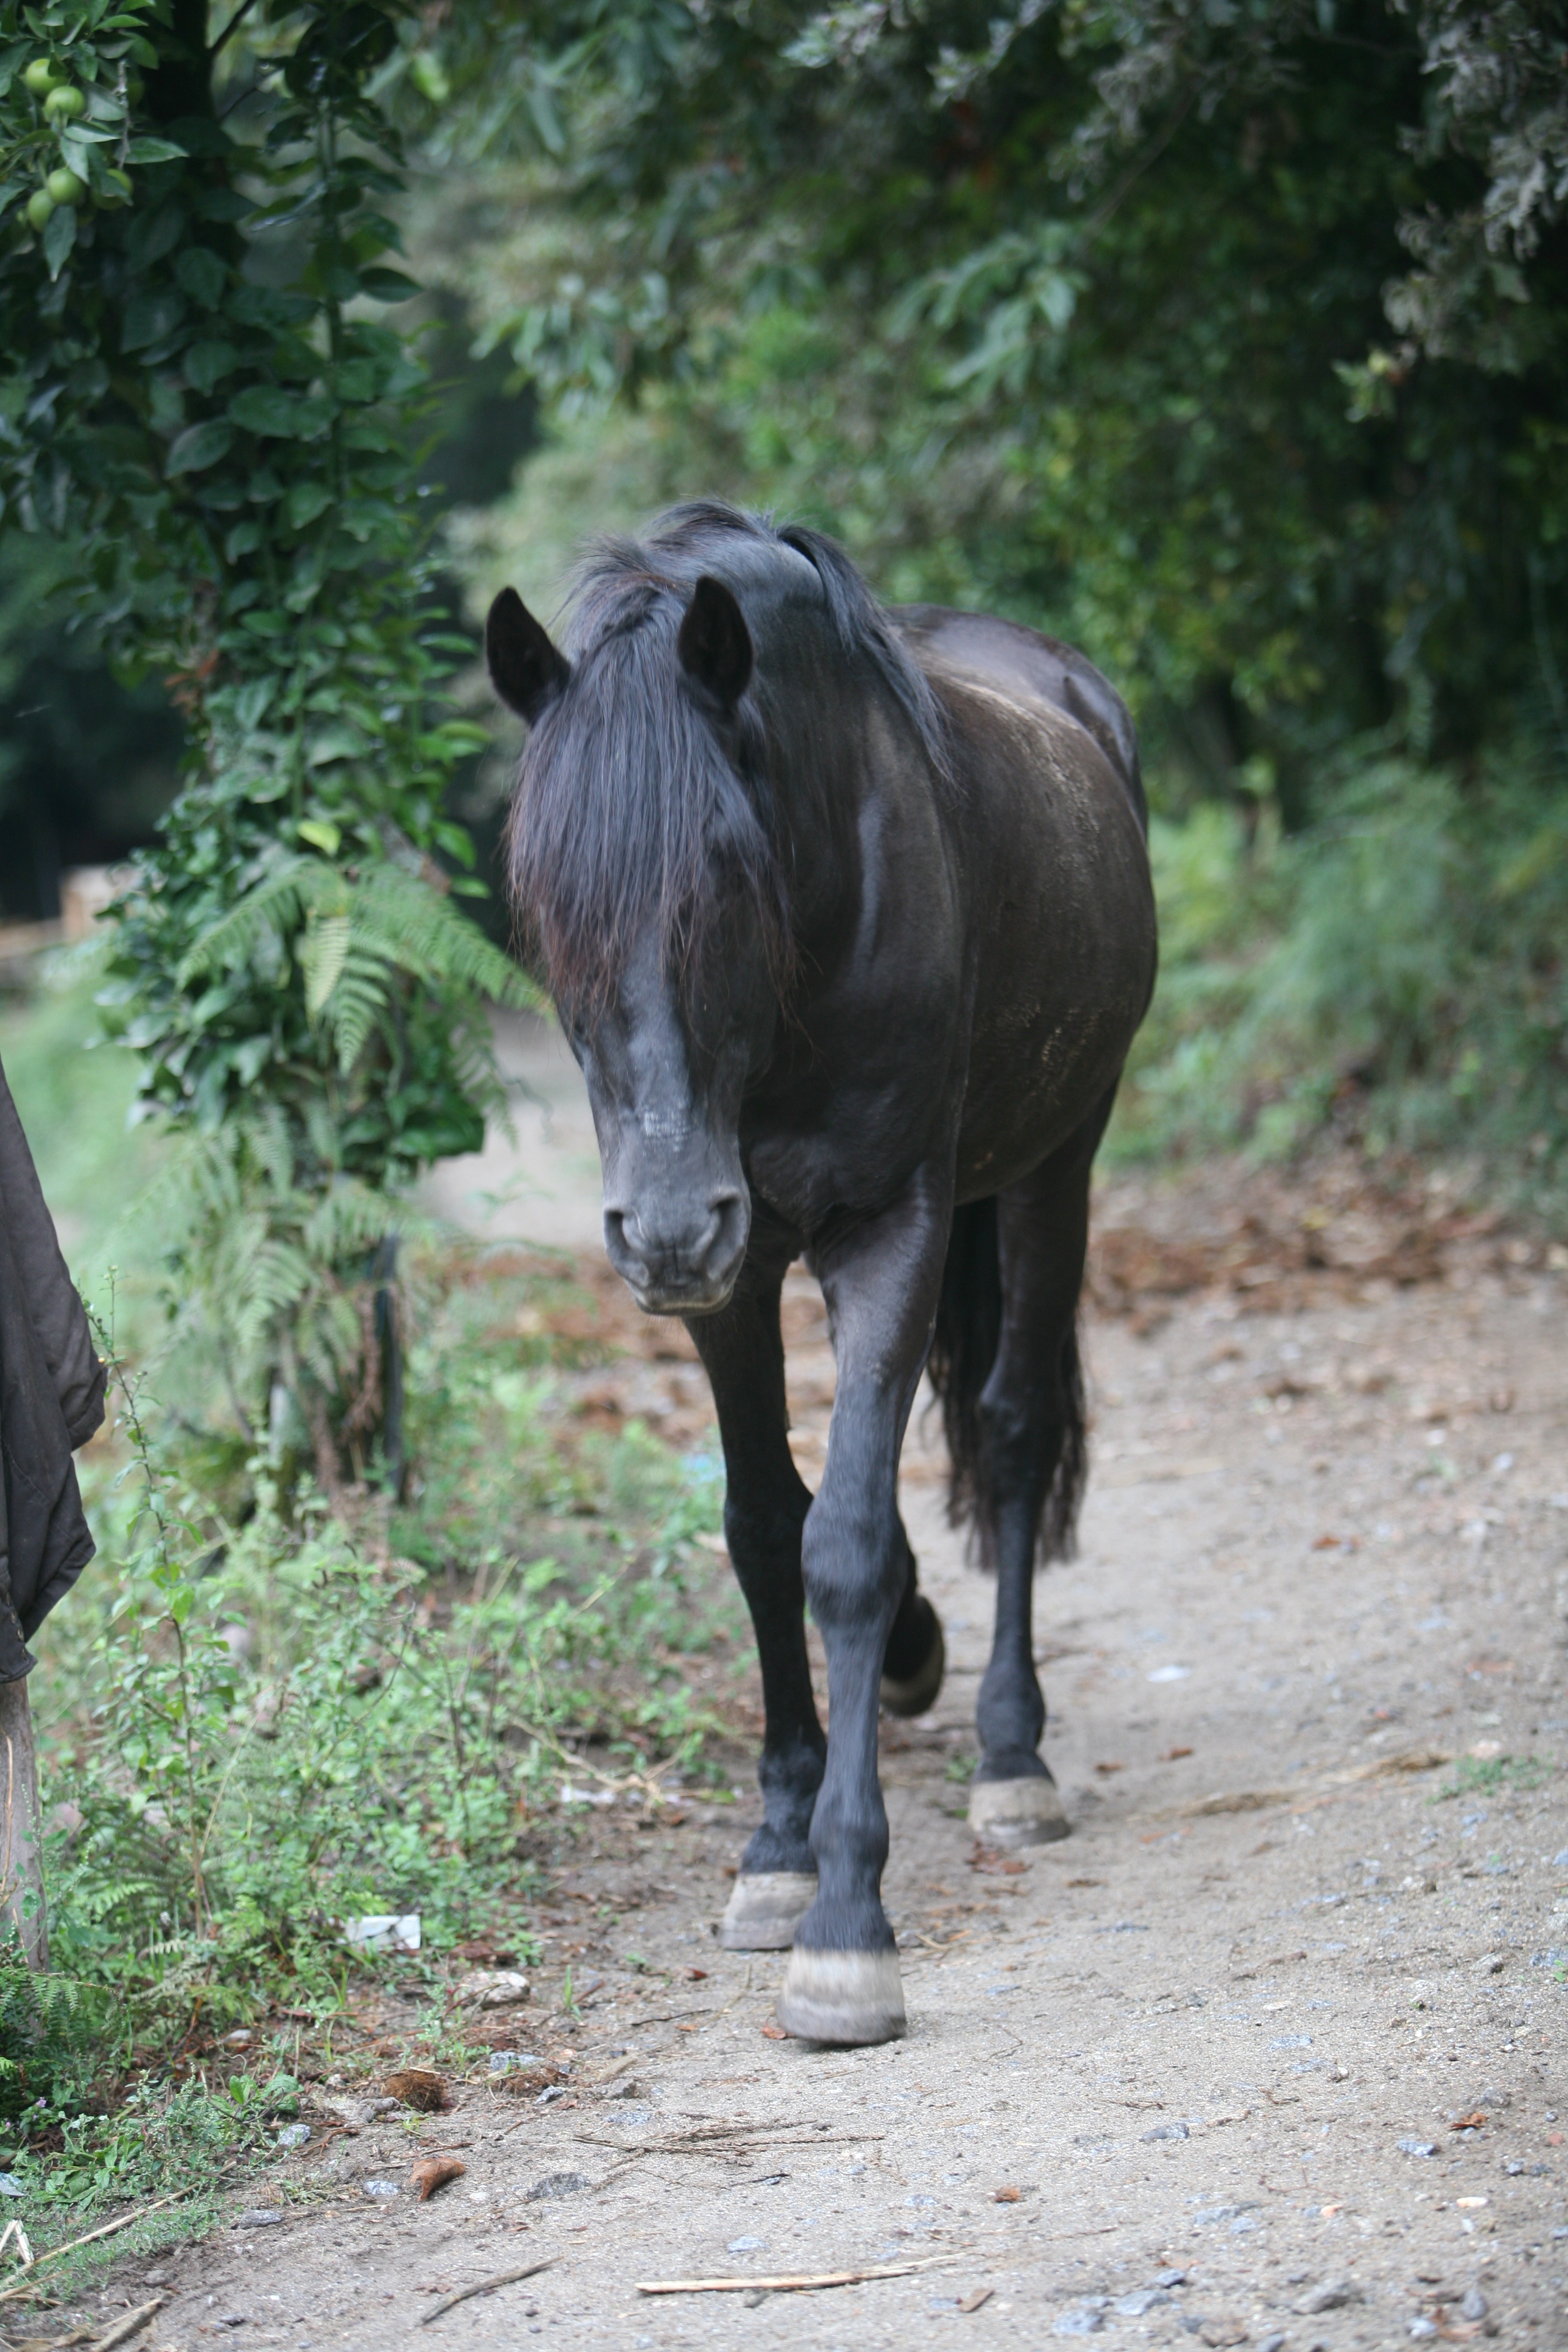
(846, 912)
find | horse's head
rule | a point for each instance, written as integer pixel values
(644, 885)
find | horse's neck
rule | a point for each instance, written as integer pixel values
(821, 798)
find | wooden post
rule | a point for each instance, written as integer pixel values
(21, 1869)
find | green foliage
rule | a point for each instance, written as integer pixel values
(1395, 970)
(1229, 344)
(224, 441)
(268, 1728)
(254, 1723)
(87, 763)
(1053, 312)
(1491, 1776)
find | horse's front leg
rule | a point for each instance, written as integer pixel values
(764, 1510)
(881, 1282)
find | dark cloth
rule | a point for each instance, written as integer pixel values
(51, 1400)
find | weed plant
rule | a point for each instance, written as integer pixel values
(258, 1723)
(258, 1730)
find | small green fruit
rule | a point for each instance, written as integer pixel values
(65, 188)
(41, 204)
(64, 105)
(40, 76)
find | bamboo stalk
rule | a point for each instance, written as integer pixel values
(787, 2283)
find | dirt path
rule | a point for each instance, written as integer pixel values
(1196, 2071)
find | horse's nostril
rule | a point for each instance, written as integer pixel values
(727, 1233)
(621, 1234)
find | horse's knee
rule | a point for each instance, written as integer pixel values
(855, 1568)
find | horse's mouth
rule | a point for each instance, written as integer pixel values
(696, 1297)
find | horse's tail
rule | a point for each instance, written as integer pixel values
(962, 1350)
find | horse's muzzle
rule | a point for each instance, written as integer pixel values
(676, 1262)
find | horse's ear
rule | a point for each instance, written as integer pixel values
(714, 644)
(526, 670)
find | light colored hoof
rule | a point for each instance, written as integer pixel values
(913, 1697)
(765, 1908)
(850, 1997)
(1016, 1812)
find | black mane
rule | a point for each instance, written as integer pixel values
(633, 801)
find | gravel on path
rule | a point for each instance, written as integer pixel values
(1271, 2050)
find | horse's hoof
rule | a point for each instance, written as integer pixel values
(764, 1909)
(913, 1696)
(847, 1996)
(1017, 1812)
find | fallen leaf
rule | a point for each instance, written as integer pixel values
(1325, 1543)
(1005, 2196)
(696, 1976)
(418, 2088)
(1469, 2123)
(776, 2032)
(435, 2173)
(975, 2297)
(1086, 1881)
(996, 1864)
(1108, 1769)
(1174, 1755)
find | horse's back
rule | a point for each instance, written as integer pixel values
(1013, 659)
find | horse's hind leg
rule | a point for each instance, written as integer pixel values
(1031, 1416)
(916, 1655)
(764, 1512)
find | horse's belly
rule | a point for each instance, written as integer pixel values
(1056, 1078)
(1065, 982)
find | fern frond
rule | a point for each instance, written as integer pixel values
(349, 1219)
(278, 903)
(424, 935)
(323, 951)
(361, 1002)
(279, 1275)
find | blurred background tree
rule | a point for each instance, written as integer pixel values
(1228, 342)
(209, 453)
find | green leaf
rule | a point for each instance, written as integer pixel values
(304, 503)
(59, 237)
(203, 274)
(339, 742)
(284, 416)
(223, 204)
(250, 704)
(386, 285)
(321, 834)
(201, 445)
(204, 365)
(154, 151)
(149, 318)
